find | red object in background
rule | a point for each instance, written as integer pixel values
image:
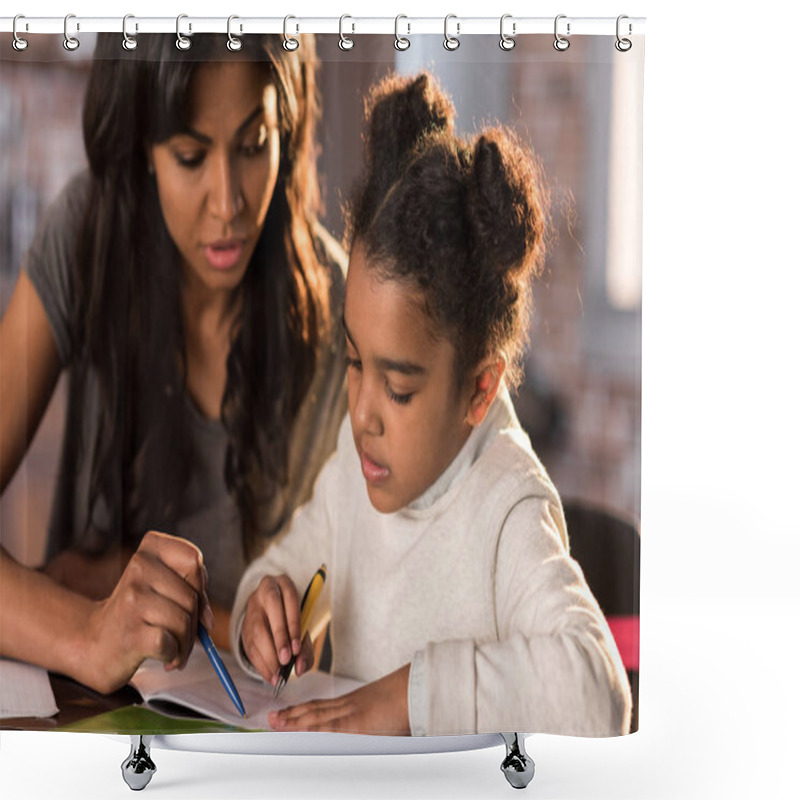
(625, 630)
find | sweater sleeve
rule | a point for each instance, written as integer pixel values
(553, 668)
(298, 551)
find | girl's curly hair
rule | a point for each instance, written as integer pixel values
(462, 220)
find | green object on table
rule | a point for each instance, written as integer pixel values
(141, 720)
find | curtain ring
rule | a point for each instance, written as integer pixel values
(450, 42)
(507, 42)
(70, 42)
(19, 44)
(623, 45)
(234, 43)
(128, 42)
(400, 42)
(290, 44)
(345, 43)
(182, 42)
(560, 43)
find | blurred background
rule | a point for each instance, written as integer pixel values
(580, 110)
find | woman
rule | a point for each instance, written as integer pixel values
(188, 287)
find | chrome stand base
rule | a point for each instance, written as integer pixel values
(138, 768)
(517, 766)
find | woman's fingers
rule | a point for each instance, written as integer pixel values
(159, 643)
(181, 556)
(164, 588)
(166, 600)
(152, 612)
(185, 560)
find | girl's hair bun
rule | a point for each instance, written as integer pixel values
(503, 203)
(401, 112)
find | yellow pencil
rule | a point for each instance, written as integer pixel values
(313, 591)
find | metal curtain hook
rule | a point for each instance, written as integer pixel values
(182, 42)
(19, 44)
(290, 44)
(234, 43)
(70, 42)
(560, 42)
(400, 42)
(344, 42)
(451, 42)
(623, 45)
(128, 42)
(507, 42)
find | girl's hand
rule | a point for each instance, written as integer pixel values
(271, 629)
(380, 707)
(152, 613)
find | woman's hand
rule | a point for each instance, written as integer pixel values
(92, 576)
(271, 629)
(152, 613)
(380, 707)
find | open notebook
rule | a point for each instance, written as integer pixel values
(198, 688)
(25, 691)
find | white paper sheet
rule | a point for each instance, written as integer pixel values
(25, 691)
(197, 687)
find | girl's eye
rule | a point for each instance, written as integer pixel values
(354, 363)
(190, 160)
(400, 399)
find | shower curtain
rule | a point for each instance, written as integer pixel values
(578, 108)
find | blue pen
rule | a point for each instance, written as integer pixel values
(219, 668)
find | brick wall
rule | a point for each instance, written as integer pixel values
(589, 438)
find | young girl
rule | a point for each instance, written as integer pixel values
(452, 593)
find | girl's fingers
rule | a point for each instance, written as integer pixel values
(305, 659)
(258, 644)
(271, 597)
(271, 628)
(316, 710)
(317, 715)
(291, 606)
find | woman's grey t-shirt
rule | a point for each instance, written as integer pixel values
(209, 516)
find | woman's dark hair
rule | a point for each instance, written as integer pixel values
(126, 283)
(463, 221)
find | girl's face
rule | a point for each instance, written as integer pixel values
(215, 181)
(409, 418)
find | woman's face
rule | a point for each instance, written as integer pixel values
(216, 179)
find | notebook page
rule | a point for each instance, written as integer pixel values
(197, 687)
(25, 691)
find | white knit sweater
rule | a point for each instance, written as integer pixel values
(472, 584)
